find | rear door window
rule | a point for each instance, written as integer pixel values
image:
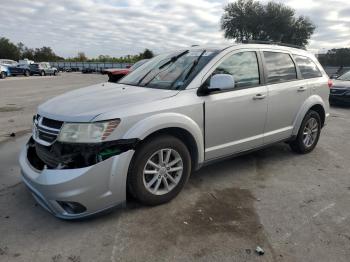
(307, 67)
(280, 67)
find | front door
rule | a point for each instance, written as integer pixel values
(235, 118)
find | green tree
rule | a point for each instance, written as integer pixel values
(147, 54)
(335, 57)
(252, 20)
(8, 50)
(81, 57)
(45, 53)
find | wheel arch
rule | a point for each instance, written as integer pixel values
(178, 125)
(312, 103)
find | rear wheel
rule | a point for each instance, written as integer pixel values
(42, 73)
(2, 75)
(27, 73)
(159, 170)
(54, 72)
(309, 133)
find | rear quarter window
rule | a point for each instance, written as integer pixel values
(280, 67)
(307, 67)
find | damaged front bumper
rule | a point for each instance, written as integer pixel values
(78, 192)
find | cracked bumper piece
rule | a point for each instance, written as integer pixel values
(80, 192)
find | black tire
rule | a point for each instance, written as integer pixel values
(136, 182)
(331, 103)
(27, 73)
(3, 75)
(42, 73)
(298, 145)
(54, 72)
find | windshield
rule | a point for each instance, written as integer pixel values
(172, 71)
(138, 64)
(345, 77)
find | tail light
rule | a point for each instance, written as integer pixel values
(330, 83)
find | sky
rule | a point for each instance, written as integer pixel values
(121, 27)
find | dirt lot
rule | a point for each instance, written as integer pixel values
(296, 207)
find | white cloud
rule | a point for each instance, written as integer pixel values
(120, 27)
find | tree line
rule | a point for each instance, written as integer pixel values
(335, 57)
(9, 50)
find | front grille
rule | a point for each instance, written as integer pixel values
(46, 130)
(52, 123)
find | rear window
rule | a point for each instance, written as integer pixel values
(280, 67)
(307, 67)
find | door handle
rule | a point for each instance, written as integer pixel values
(259, 96)
(301, 89)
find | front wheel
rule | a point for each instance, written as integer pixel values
(159, 170)
(309, 133)
(2, 75)
(26, 73)
(42, 73)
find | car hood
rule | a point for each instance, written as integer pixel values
(85, 104)
(341, 84)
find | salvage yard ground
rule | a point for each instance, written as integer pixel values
(296, 207)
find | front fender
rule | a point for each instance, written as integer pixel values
(154, 123)
(310, 102)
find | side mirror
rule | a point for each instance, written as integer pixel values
(221, 82)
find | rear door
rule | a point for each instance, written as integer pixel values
(235, 118)
(286, 92)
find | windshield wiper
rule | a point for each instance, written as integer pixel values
(195, 63)
(193, 66)
(171, 61)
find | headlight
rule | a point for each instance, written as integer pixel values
(87, 132)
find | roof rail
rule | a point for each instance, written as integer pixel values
(272, 43)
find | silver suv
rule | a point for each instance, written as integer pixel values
(177, 112)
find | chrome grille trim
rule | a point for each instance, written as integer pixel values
(39, 128)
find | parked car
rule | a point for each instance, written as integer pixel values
(19, 70)
(42, 69)
(25, 62)
(178, 112)
(88, 70)
(15, 68)
(340, 91)
(8, 62)
(115, 74)
(4, 72)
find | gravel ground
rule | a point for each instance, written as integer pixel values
(296, 207)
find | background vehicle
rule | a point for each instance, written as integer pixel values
(88, 70)
(25, 62)
(42, 69)
(340, 91)
(4, 72)
(15, 68)
(114, 75)
(176, 113)
(8, 62)
(19, 70)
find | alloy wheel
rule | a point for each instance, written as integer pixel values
(310, 132)
(163, 171)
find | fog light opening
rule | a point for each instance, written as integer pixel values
(72, 207)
